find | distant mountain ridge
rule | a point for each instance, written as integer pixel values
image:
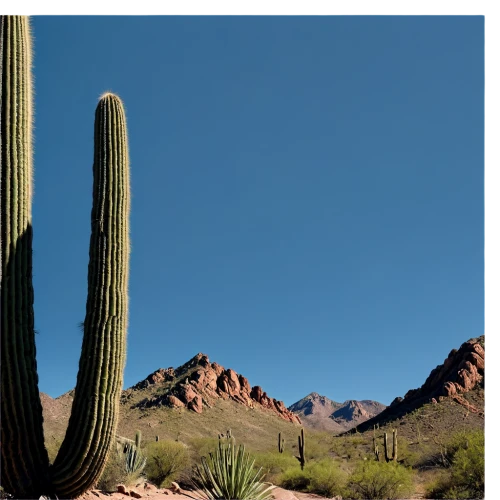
(203, 399)
(320, 413)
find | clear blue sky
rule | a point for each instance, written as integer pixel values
(307, 195)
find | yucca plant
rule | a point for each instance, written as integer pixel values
(229, 474)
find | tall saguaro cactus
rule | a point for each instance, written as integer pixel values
(302, 457)
(25, 461)
(94, 416)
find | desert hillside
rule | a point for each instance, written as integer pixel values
(196, 400)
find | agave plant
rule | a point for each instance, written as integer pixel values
(134, 460)
(229, 474)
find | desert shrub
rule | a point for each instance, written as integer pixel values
(357, 440)
(115, 472)
(465, 479)
(407, 454)
(327, 478)
(229, 474)
(201, 447)
(316, 446)
(273, 464)
(373, 479)
(324, 477)
(166, 460)
(296, 479)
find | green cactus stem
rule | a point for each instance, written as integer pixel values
(394, 447)
(301, 458)
(376, 450)
(281, 443)
(94, 415)
(138, 436)
(25, 463)
(25, 471)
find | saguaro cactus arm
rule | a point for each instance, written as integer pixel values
(94, 415)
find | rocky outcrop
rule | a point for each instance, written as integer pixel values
(157, 377)
(198, 383)
(319, 412)
(461, 372)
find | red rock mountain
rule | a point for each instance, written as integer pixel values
(461, 372)
(319, 412)
(198, 384)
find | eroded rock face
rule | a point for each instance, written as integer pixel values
(461, 372)
(208, 382)
(157, 377)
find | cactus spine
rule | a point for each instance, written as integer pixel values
(281, 443)
(301, 458)
(93, 421)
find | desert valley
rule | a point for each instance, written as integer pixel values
(198, 403)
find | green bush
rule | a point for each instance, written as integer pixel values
(316, 447)
(273, 464)
(324, 477)
(166, 460)
(407, 454)
(465, 452)
(373, 479)
(296, 479)
(201, 447)
(229, 474)
(327, 478)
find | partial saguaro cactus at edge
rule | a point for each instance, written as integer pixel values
(25, 463)
(25, 469)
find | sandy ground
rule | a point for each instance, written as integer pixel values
(150, 492)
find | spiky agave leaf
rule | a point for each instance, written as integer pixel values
(229, 474)
(134, 460)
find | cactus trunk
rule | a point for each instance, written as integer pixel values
(394, 446)
(94, 415)
(25, 461)
(25, 471)
(301, 458)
